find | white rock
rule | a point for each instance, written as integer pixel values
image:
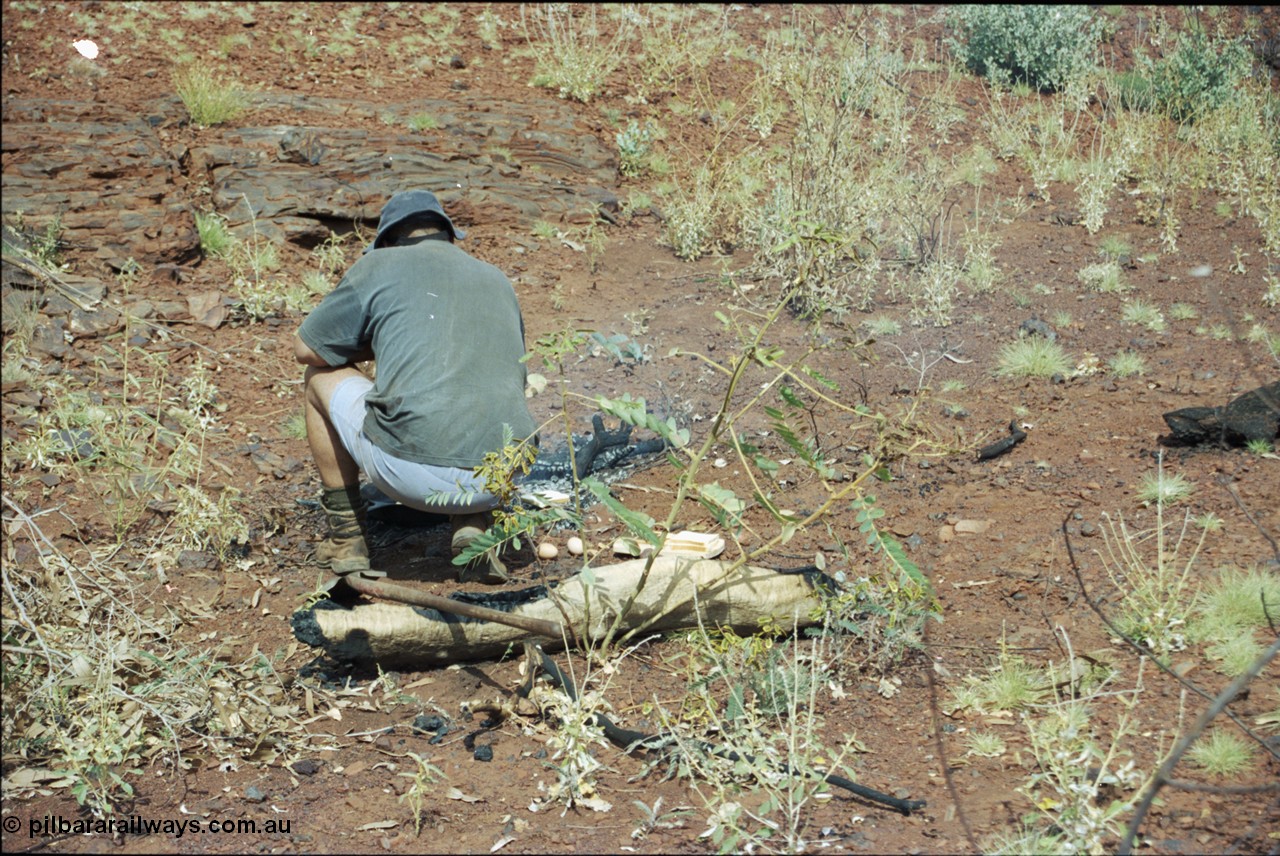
(547, 550)
(574, 546)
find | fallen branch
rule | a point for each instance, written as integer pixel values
(679, 592)
(390, 591)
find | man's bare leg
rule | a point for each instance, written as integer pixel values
(345, 550)
(336, 466)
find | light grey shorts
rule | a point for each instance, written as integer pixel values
(454, 490)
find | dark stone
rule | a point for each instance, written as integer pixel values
(254, 794)
(1000, 447)
(23, 397)
(483, 753)
(554, 162)
(1036, 327)
(86, 290)
(306, 767)
(77, 442)
(49, 340)
(301, 145)
(437, 726)
(90, 325)
(117, 187)
(171, 310)
(195, 560)
(56, 305)
(1252, 416)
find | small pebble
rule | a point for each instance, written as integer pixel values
(547, 550)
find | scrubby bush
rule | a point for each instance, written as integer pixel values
(1042, 46)
(1200, 75)
(1133, 89)
(210, 98)
(578, 57)
(634, 146)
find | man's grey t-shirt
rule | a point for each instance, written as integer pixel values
(448, 337)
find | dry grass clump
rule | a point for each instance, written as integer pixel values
(97, 687)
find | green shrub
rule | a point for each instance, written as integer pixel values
(1199, 76)
(842, 187)
(578, 57)
(1042, 46)
(1221, 753)
(1033, 356)
(1127, 364)
(1104, 277)
(216, 239)
(210, 99)
(1134, 90)
(1238, 601)
(634, 148)
(423, 122)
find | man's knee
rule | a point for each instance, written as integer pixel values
(319, 383)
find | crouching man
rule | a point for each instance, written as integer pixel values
(446, 331)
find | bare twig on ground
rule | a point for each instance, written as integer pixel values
(935, 717)
(1164, 776)
(1275, 548)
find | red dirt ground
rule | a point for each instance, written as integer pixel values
(1092, 440)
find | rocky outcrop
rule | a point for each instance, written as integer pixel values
(103, 174)
(485, 163)
(120, 184)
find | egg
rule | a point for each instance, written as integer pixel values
(574, 545)
(547, 550)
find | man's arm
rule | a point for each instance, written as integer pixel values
(302, 351)
(305, 355)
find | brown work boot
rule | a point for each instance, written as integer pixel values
(345, 550)
(487, 568)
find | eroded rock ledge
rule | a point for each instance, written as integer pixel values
(121, 184)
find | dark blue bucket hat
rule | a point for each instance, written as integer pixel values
(410, 205)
